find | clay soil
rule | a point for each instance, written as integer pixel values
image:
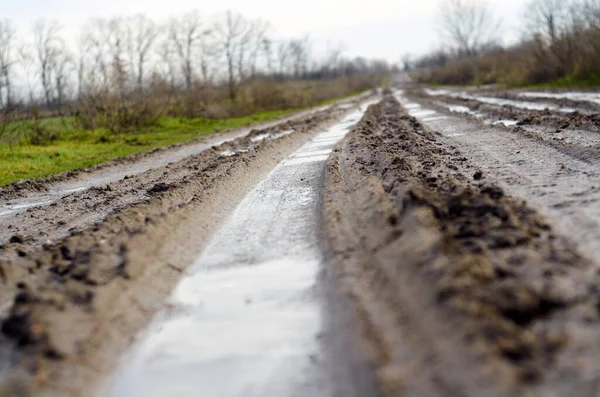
(460, 280)
(460, 289)
(82, 275)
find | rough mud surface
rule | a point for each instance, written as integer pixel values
(575, 132)
(557, 112)
(461, 289)
(432, 227)
(82, 275)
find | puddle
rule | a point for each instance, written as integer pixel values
(17, 207)
(253, 313)
(231, 152)
(507, 123)
(434, 118)
(312, 153)
(438, 92)
(69, 191)
(40, 199)
(422, 113)
(500, 101)
(518, 104)
(278, 135)
(459, 109)
(576, 96)
(416, 110)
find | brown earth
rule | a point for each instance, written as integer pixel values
(84, 274)
(460, 289)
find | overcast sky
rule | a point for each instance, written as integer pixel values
(373, 28)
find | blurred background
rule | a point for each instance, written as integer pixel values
(94, 71)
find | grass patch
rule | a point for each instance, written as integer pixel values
(72, 148)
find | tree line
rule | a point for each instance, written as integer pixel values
(136, 66)
(560, 40)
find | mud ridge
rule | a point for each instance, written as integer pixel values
(461, 290)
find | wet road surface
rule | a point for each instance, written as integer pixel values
(563, 186)
(248, 319)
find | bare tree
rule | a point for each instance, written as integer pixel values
(591, 12)
(26, 60)
(468, 25)
(406, 62)
(283, 55)
(267, 50)
(258, 38)
(186, 35)
(61, 67)
(333, 58)
(118, 38)
(131, 62)
(299, 50)
(232, 36)
(167, 63)
(7, 60)
(47, 44)
(93, 47)
(549, 18)
(143, 36)
(550, 23)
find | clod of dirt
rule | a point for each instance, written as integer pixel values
(17, 239)
(158, 188)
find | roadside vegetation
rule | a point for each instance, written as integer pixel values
(560, 46)
(132, 84)
(73, 148)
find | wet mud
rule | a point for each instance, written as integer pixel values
(460, 240)
(461, 289)
(575, 132)
(82, 275)
(558, 115)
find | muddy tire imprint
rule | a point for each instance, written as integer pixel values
(462, 290)
(109, 257)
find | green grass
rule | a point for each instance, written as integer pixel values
(74, 148)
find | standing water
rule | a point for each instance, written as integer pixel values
(248, 317)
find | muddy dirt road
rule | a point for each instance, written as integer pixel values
(82, 274)
(251, 305)
(438, 243)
